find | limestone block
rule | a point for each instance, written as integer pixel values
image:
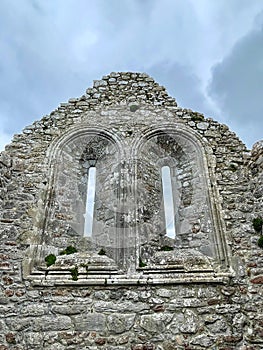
(90, 322)
(98, 83)
(202, 126)
(125, 306)
(50, 323)
(156, 322)
(203, 340)
(190, 322)
(71, 309)
(119, 323)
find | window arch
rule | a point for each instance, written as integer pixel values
(198, 231)
(82, 155)
(68, 207)
(129, 213)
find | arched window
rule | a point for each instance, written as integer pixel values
(135, 215)
(90, 202)
(168, 201)
(176, 225)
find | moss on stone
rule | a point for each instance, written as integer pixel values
(50, 259)
(166, 248)
(102, 252)
(257, 224)
(260, 242)
(69, 250)
(142, 263)
(134, 108)
(74, 273)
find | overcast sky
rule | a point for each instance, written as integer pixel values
(207, 53)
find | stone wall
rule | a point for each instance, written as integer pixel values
(217, 308)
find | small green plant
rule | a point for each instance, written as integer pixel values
(83, 265)
(166, 248)
(102, 252)
(257, 224)
(260, 242)
(232, 167)
(50, 259)
(133, 108)
(69, 250)
(197, 118)
(141, 263)
(74, 273)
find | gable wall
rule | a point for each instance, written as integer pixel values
(184, 316)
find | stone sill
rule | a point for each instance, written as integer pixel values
(124, 280)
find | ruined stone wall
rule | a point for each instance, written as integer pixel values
(254, 263)
(217, 308)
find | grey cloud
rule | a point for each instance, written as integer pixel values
(36, 72)
(51, 51)
(237, 86)
(46, 58)
(183, 84)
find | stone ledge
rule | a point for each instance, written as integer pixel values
(122, 280)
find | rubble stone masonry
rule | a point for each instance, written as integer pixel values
(129, 284)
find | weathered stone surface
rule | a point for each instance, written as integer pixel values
(36, 309)
(119, 323)
(219, 326)
(143, 347)
(257, 280)
(90, 322)
(124, 306)
(72, 309)
(51, 323)
(203, 340)
(190, 322)
(155, 322)
(202, 126)
(34, 340)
